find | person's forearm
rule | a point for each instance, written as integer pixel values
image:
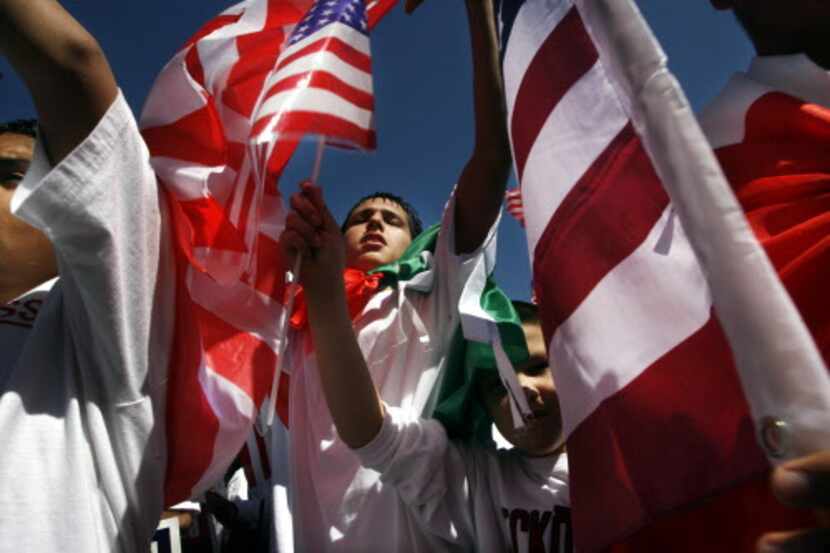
(62, 65)
(353, 401)
(488, 86)
(484, 178)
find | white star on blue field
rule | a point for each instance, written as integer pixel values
(347, 12)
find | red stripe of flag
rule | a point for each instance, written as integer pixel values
(206, 225)
(188, 408)
(240, 360)
(258, 53)
(295, 123)
(282, 398)
(248, 190)
(619, 196)
(376, 10)
(268, 282)
(336, 46)
(197, 137)
(327, 81)
(283, 151)
(547, 80)
(193, 62)
(213, 25)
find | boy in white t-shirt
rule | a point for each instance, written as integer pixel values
(469, 497)
(84, 356)
(323, 500)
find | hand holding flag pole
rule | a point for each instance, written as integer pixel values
(320, 85)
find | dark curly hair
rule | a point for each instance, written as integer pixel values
(415, 225)
(27, 127)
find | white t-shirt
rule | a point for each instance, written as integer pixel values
(82, 385)
(471, 497)
(404, 333)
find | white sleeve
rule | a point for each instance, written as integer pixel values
(451, 288)
(101, 209)
(453, 272)
(429, 472)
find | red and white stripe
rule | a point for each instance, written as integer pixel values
(197, 122)
(513, 204)
(654, 412)
(323, 85)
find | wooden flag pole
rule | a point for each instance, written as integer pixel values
(292, 294)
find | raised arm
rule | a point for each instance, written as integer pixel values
(62, 65)
(353, 400)
(483, 180)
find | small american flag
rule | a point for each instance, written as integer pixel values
(513, 204)
(322, 82)
(219, 93)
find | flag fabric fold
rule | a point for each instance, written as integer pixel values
(636, 240)
(213, 123)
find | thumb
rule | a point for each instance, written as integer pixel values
(804, 482)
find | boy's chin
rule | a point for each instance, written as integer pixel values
(368, 261)
(537, 443)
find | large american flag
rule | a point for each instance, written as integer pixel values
(655, 413)
(214, 124)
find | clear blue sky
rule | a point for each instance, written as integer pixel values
(423, 90)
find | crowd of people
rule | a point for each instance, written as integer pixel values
(86, 314)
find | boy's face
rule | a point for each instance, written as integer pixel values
(377, 232)
(541, 432)
(23, 249)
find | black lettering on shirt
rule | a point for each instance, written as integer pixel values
(530, 527)
(20, 313)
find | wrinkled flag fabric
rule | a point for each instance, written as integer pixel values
(199, 122)
(656, 415)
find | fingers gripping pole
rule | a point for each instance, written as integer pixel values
(285, 317)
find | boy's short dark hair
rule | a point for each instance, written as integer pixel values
(415, 225)
(26, 127)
